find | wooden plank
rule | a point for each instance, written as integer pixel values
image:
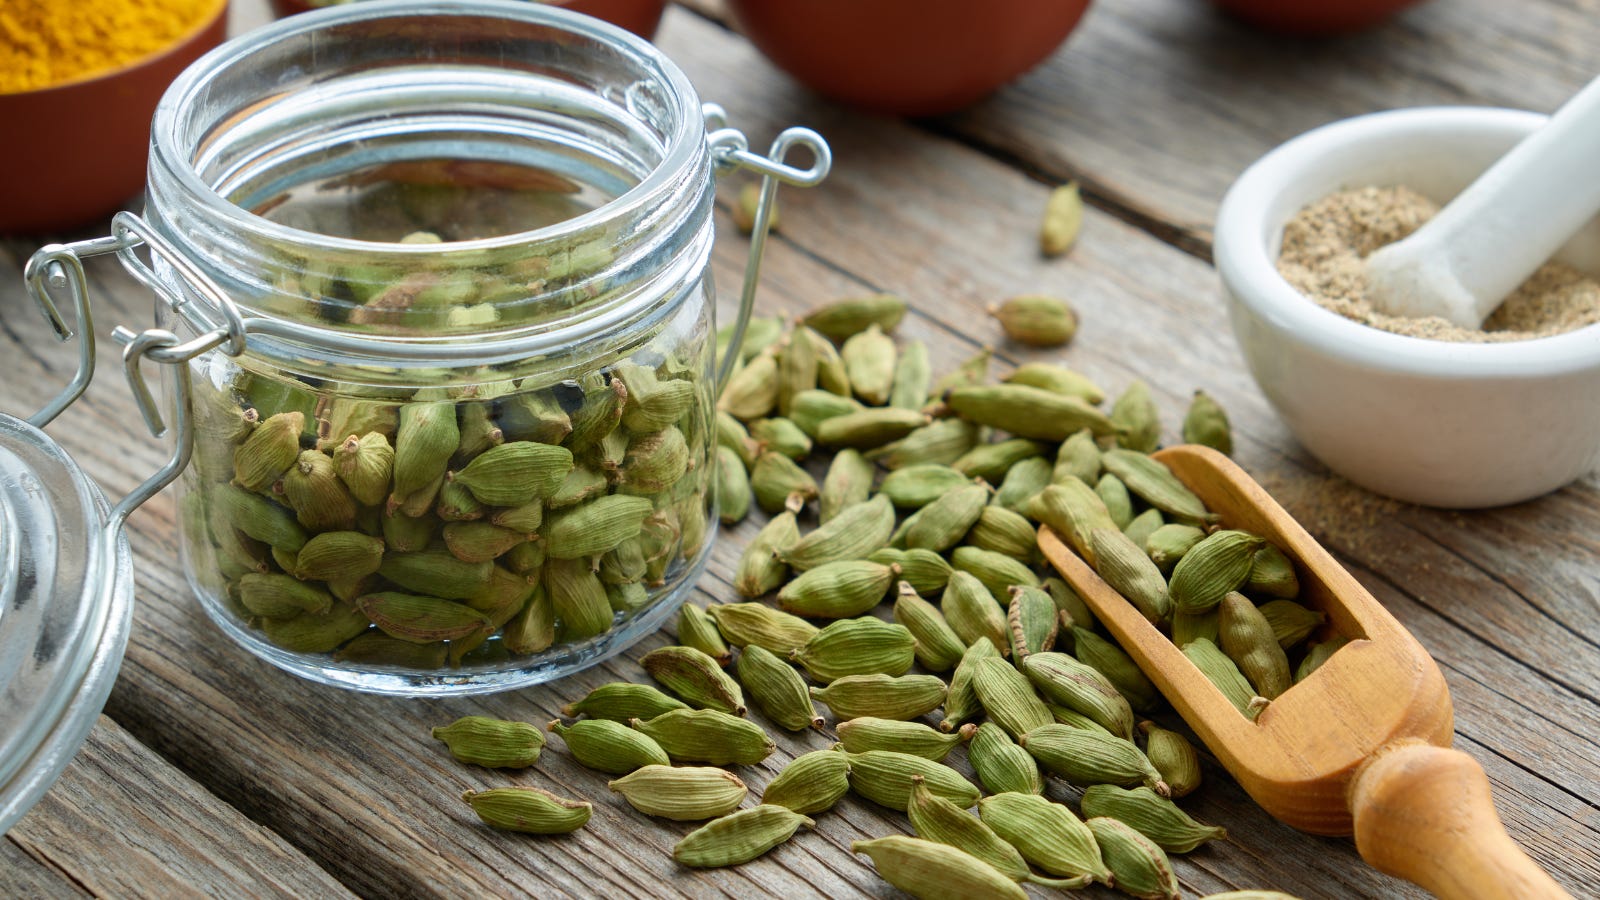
(123, 822)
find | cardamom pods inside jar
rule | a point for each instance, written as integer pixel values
(433, 280)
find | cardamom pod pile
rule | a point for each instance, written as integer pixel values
(462, 526)
(980, 652)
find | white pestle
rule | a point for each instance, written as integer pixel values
(1464, 261)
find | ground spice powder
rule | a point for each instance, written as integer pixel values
(49, 42)
(1325, 244)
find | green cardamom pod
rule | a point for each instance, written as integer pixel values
(759, 625)
(937, 646)
(1080, 688)
(779, 483)
(961, 702)
(809, 409)
(1046, 833)
(456, 504)
(603, 405)
(1174, 757)
(752, 390)
(423, 444)
(1074, 511)
(926, 571)
(696, 630)
(528, 809)
(1126, 567)
(732, 434)
(1027, 412)
(1317, 655)
(534, 415)
(811, 783)
(596, 527)
(1114, 494)
(848, 484)
(1143, 526)
(534, 628)
(996, 571)
(621, 701)
(1248, 639)
(1167, 544)
(1152, 481)
(870, 428)
(781, 436)
(515, 473)
(1073, 718)
(365, 464)
(1224, 674)
(1078, 457)
(1063, 219)
(914, 487)
(933, 871)
(1137, 419)
(269, 451)
(1139, 868)
(611, 747)
(1009, 698)
(419, 502)
(1036, 320)
(1002, 765)
(732, 487)
(695, 677)
(899, 698)
(944, 522)
(319, 499)
(476, 542)
(940, 442)
(1022, 481)
(760, 570)
(761, 333)
(913, 375)
(436, 573)
(1291, 623)
(1272, 575)
(1210, 569)
(797, 372)
(1189, 627)
(682, 793)
(1150, 814)
(374, 648)
(279, 596)
(653, 404)
(864, 733)
(578, 597)
(972, 613)
(885, 777)
(842, 319)
(1118, 668)
(1057, 379)
(864, 646)
(1032, 622)
(421, 620)
(838, 590)
(1003, 531)
(851, 535)
(408, 534)
(708, 736)
(777, 689)
(1086, 757)
(1207, 424)
(937, 819)
(260, 518)
(1068, 602)
(991, 462)
(582, 484)
(496, 743)
(739, 837)
(832, 377)
(314, 633)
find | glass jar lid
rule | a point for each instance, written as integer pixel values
(66, 590)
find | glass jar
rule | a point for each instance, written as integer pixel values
(433, 280)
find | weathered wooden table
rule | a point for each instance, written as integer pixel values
(214, 773)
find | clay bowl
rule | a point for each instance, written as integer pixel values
(907, 57)
(80, 149)
(641, 17)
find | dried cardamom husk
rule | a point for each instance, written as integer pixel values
(608, 746)
(778, 483)
(777, 689)
(1317, 655)
(899, 698)
(319, 499)
(696, 678)
(528, 809)
(621, 701)
(269, 451)
(912, 377)
(1168, 543)
(732, 487)
(708, 736)
(1001, 530)
(1272, 575)
(1033, 622)
(1150, 814)
(739, 837)
(1022, 481)
(1085, 757)
(1224, 674)
(424, 442)
(1118, 668)
(944, 522)
(864, 646)
(885, 777)
(1002, 765)
(811, 783)
(278, 596)
(578, 597)
(870, 428)
(496, 743)
(934, 871)
(1037, 320)
(1174, 757)
(681, 793)
(1139, 868)
(1046, 833)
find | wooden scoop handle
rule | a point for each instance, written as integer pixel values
(1423, 813)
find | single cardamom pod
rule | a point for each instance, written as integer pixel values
(759, 625)
(1139, 868)
(279, 596)
(752, 391)
(914, 487)
(779, 483)
(864, 646)
(528, 809)
(865, 733)
(1046, 833)
(661, 542)
(731, 433)
(1212, 568)
(269, 451)
(1222, 672)
(1291, 623)
(797, 372)
(1009, 698)
(365, 464)
(991, 461)
(1150, 814)
(260, 518)
(534, 415)
(937, 647)
(695, 677)
(935, 871)
(1057, 379)
(319, 499)
(851, 535)
(809, 409)
(739, 837)
(608, 746)
(578, 597)
(996, 571)
(1207, 424)
(436, 573)
(831, 374)
(1033, 622)
(1086, 757)
(1114, 494)
(1027, 412)
(842, 319)
(1129, 570)
(937, 819)
(912, 376)
(476, 542)
(653, 404)
(1003, 531)
(682, 793)
(926, 571)
(595, 527)
(525, 519)
(496, 743)
(603, 404)
(940, 442)
(972, 613)
(1317, 655)
(838, 590)
(899, 698)
(848, 484)
(1189, 627)
(419, 502)
(760, 570)
(313, 633)
(515, 473)
(732, 487)
(534, 628)
(1272, 575)
(869, 361)
(811, 783)
(421, 620)
(1063, 219)
(582, 484)
(426, 439)
(1037, 320)
(885, 777)
(1080, 688)
(1074, 511)
(1152, 481)
(945, 521)
(620, 701)
(1002, 765)
(1248, 639)
(867, 429)
(655, 462)
(777, 689)
(961, 702)
(1118, 668)
(407, 534)
(1167, 544)
(782, 436)
(708, 736)
(1137, 419)
(1022, 481)
(374, 648)
(1072, 605)
(1174, 757)
(696, 630)
(456, 504)
(1143, 526)
(1078, 457)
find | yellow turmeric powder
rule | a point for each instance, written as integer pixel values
(49, 42)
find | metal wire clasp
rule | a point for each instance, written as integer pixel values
(730, 150)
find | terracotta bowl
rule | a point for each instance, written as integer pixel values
(907, 57)
(80, 147)
(1323, 17)
(641, 17)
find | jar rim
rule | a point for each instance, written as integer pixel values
(683, 147)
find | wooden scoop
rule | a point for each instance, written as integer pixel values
(1362, 745)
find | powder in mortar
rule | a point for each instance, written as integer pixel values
(1325, 244)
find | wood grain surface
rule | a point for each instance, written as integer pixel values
(1155, 105)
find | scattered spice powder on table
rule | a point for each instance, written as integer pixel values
(1325, 245)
